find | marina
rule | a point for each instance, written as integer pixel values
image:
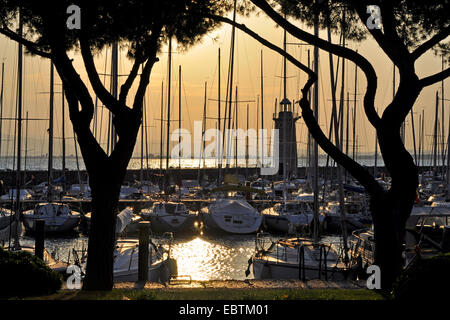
(129, 160)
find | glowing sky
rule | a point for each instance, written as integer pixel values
(199, 64)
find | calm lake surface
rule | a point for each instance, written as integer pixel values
(201, 257)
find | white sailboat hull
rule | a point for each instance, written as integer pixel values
(63, 224)
(173, 223)
(263, 269)
(157, 272)
(218, 224)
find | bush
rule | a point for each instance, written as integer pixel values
(427, 278)
(23, 274)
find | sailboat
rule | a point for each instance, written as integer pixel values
(58, 217)
(231, 215)
(299, 258)
(171, 217)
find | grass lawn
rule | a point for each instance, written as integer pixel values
(216, 294)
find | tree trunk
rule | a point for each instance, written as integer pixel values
(105, 189)
(392, 208)
(388, 238)
(105, 179)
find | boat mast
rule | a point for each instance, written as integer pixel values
(315, 146)
(443, 117)
(354, 111)
(285, 103)
(161, 134)
(1, 105)
(19, 135)
(230, 82)
(114, 88)
(141, 171)
(179, 120)
(202, 145)
(146, 137)
(246, 145)
(262, 115)
(341, 145)
(413, 136)
(169, 85)
(50, 137)
(236, 128)
(63, 141)
(26, 149)
(435, 135)
(219, 149)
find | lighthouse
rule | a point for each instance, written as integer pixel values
(287, 144)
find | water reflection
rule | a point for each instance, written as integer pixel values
(202, 257)
(214, 259)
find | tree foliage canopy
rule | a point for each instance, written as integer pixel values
(414, 21)
(130, 22)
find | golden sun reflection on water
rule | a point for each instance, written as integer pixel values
(209, 259)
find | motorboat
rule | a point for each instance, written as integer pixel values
(58, 217)
(298, 258)
(231, 215)
(171, 217)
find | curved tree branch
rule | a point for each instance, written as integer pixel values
(363, 63)
(430, 43)
(389, 41)
(111, 103)
(30, 46)
(427, 81)
(145, 75)
(71, 80)
(125, 87)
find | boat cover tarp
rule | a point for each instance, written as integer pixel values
(235, 206)
(353, 188)
(124, 218)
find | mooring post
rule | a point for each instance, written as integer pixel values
(144, 228)
(39, 238)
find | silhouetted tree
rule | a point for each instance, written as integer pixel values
(142, 27)
(409, 30)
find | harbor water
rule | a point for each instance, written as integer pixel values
(200, 257)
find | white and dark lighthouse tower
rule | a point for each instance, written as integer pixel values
(287, 143)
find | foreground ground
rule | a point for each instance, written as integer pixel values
(227, 290)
